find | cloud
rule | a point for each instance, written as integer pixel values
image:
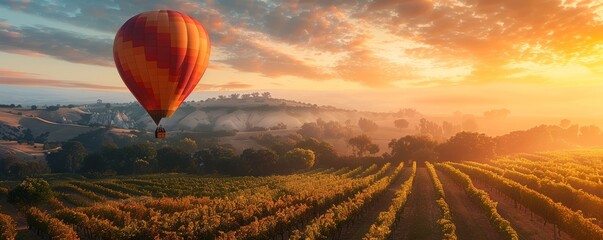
(14, 78)
(253, 57)
(326, 28)
(223, 87)
(367, 69)
(493, 34)
(489, 35)
(57, 43)
(15, 74)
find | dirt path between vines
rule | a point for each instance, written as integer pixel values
(421, 213)
(361, 226)
(521, 219)
(470, 220)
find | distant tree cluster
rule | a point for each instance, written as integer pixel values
(13, 167)
(185, 155)
(430, 129)
(474, 146)
(468, 146)
(101, 152)
(401, 123)
(367, 125)
(27, 136)
(10, 105)
(407, 112)
(324, 130)
(550, 137)
(53, 108)
(234, 96)
(447, 129)
(411, 147)
(464, 146)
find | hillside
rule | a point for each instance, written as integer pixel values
(247, 114)
(10, 120)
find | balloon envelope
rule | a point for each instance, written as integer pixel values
(161, 56)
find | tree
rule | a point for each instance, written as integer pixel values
(322, 129)
(430, 128)
(539, 138)
(299, 158)
(407, 112)
(31, 191)
(255, 94)
(94, 140)
(325, 152)
(68, 159)
(42, 138)
(258, 162)
(310, 130)
(362, 144)
(335, 130)
(28, 168)
(266, 95)
(95, 163)
(279, 126)
(142, 166)
(173, 160)
(52, 108)
(28, 135)
(234, 96)
(10, 165)
(34, 107)
(187, 145)
(367, 125)
(108, 105)
(468, 146)
(216, 158)
(449, 129)
(425, 154)
(401, 123)
(405, 148)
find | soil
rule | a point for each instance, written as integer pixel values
(470, 220)
(361, 226)
(521, 219)
(421, 213)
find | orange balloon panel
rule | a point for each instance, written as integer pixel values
(161, 56)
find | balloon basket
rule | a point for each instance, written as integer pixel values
(160, 132)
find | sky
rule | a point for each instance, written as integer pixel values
(533, 57)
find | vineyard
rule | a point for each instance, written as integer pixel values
(552, 195)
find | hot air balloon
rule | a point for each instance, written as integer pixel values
(161, 56)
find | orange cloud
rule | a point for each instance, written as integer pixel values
(14, 78)
(14, 74)
(223, 87)
(367, 69)
(482, 35)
